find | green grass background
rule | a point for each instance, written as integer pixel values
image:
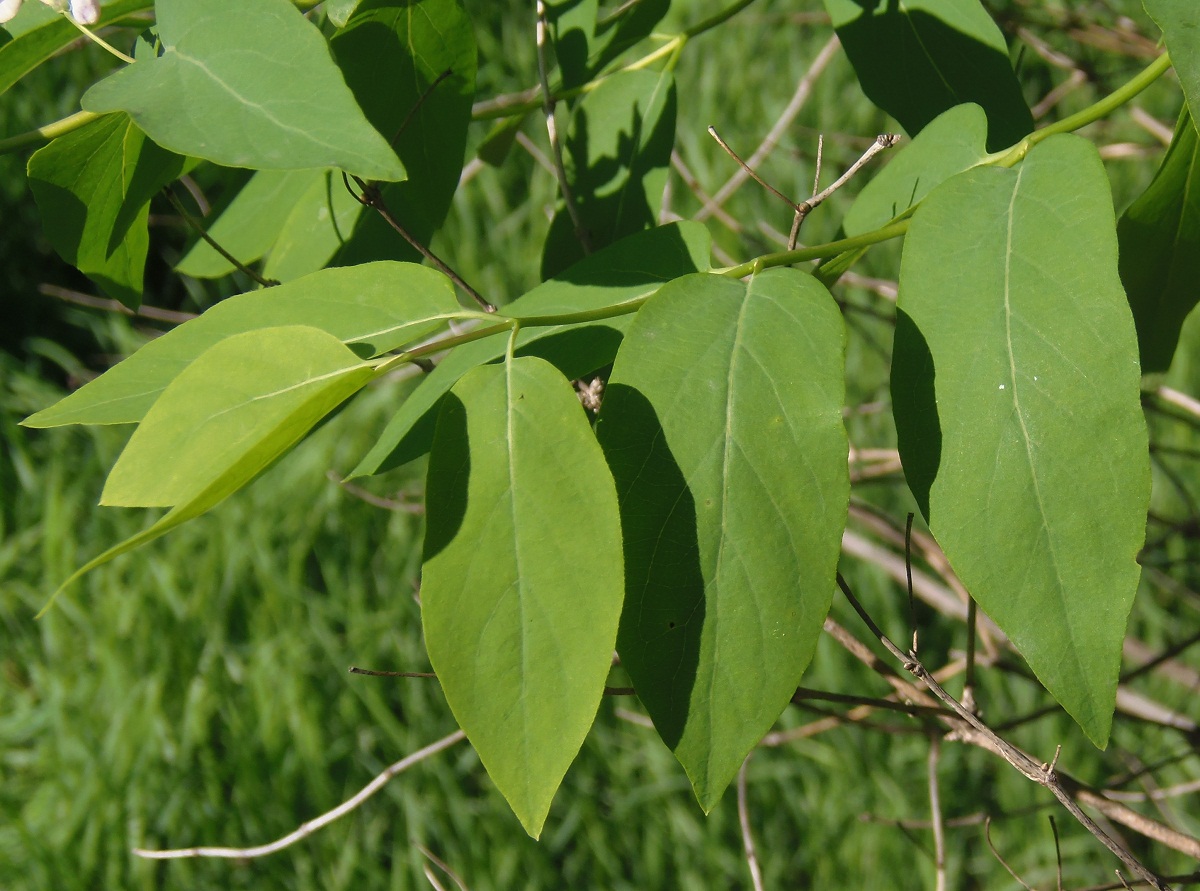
(196, 693)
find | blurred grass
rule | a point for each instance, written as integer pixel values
(197, 692)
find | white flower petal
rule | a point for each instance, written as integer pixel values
(8, 9)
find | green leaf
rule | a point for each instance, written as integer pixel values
(1015, 390)
(225, 419)
(339, 11)
(237, 407)
(918, 58)
(1160, 250)
(633, 268)
(521, 587)
(377, 308)
(953, 142)
(722, 424)
(258, 86)
(627, 25)
(30, 48)
(572, 26)
(93, 187)
(1180, 24)
(251, 222)
(616, 156)
(392, 52)
(315, 228)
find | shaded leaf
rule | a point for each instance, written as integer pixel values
(93, 187)
(1015, 390)
(31, 47)
(1180, 24)
(722, 424)
(1160, 250)
(225, 419)
(315, 228)
(250, 223)
(285, 109)
(628, 270)
(521, 588)
(392, 52)
(953, 142)
(917, 58)
(622, 28)
(572, 25)
(616, 155)
(377, 307)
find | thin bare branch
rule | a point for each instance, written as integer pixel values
(744, 821)
(307, 829)
(935, 813)
(211, 242)
(145, 312)
(548, 105)
(1042, 774)
(804, 88)
(442, 865)
(987, 835)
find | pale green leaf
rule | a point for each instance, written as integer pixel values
(722, 424)
(314, 229)
(93, 187)
(238, 406)
(225, 419)
(521, 588)
(951, 143)
(629, 270)
(218, 92)
(1015, 389)
(377, 307)
(1160, 250)
(917, 58)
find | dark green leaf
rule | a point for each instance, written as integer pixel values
(918, 58)
(392, 52)
(1180, 24)
(722, 424)
(376, 307)
(616, 156)
(1160, 250)
(521, 588)
(572, 27)
(283, 109)
(627, 25)
(630, 269)
(1015, 389)
(951, 143)
(93, 187)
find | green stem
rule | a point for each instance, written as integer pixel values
(717, 19)
(1094, 112)
(98, 40)
(46, 133)
(816, 252)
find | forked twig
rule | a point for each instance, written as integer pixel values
(307, 829)
(1042, 774)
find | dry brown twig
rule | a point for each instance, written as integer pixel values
(744, 821)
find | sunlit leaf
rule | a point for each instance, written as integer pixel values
(722, 423)
(1015, 389)
(521, 588)
(283, 109)
(376, 307)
